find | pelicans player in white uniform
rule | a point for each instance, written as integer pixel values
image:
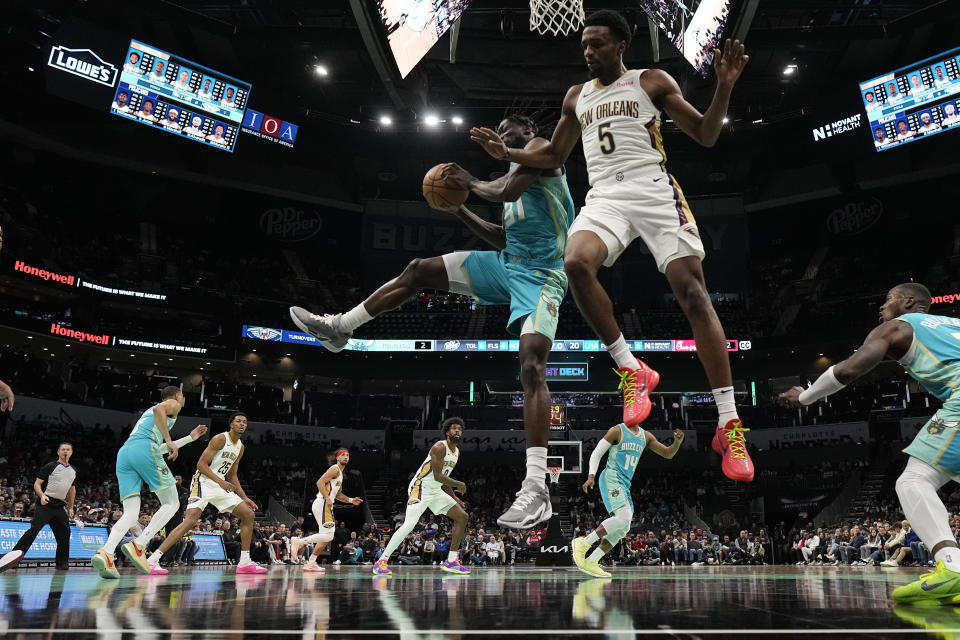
(215, 483)
(617, 116)
(432, 488)
(328, 490)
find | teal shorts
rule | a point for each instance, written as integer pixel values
(495, 277)
(141, 462)
(615, 495)
(937, 443)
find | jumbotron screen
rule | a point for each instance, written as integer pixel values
(414, 26)
(167, 92)
(695, 27)
(916, 101)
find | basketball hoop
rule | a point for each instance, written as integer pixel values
(558, 17)
(554, 474)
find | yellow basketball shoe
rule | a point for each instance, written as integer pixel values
(940, 585)
(593, 568)
(105, 564)
(137, 556)
(580, 547)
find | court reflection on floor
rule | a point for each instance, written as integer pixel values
(423, 599)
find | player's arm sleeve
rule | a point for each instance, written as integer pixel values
(597, 455)
(185, 440)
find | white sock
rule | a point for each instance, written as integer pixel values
(452, 556)
(155, 557)
(592, 537)
(621, 354)
(244, 559)
(352, 319)
(596, 555)
(950, 557)
(536, 467)
(726, 405)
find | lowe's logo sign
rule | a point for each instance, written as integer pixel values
(84, 63)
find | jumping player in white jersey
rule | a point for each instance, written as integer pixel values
(215, 483)
(328, 490)
(432, 488)
(617, 115)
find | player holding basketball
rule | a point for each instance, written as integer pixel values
(617, 116)
(623, 446)
(432, 488)
(525, 272)
(215, 483)
(928, 348)
(139, 461)
(328, 490)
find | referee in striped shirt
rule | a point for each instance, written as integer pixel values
(55, 490)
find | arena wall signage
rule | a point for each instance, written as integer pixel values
(837, 127)
(270, 334)
(289, 224)
(80, 336)
(84, 63)
(854, 218)
(84, 542)
(269, 128)
(72, 280)
(947, 298)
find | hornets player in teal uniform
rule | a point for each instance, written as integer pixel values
(928, 348)
(623, 446)
(525, 272)
(140, 460)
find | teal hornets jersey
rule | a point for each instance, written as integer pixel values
(536, 224)
(935, 362)
(145, 429)
(622, 458)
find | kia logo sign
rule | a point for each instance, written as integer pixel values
(84, 63)
(854, 217)
(290, 225)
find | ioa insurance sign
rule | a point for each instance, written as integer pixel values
(84, 63)
(270, 128)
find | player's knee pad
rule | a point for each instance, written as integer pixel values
(325, 534)
(132, 505)
(617, 526)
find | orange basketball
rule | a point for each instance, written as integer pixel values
(441, 193)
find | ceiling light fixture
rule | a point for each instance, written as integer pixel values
(321, 70)
(431, 120)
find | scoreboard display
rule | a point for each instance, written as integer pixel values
(556, 414)
(167, 92)
(915, 101)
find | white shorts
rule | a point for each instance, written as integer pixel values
(203, 492)
(324, 515)
(647, 205)
(438, 501)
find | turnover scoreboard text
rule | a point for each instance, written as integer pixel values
(176, 95)
(431, 344)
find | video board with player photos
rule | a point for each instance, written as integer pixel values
(915, 101)
(162, 90)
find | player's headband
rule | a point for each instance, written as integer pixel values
(342, 451)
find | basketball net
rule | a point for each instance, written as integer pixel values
(557, 17)
(554, 474)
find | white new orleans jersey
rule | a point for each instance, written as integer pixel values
(619, 128)
(423, 479)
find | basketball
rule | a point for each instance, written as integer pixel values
(441, 193)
